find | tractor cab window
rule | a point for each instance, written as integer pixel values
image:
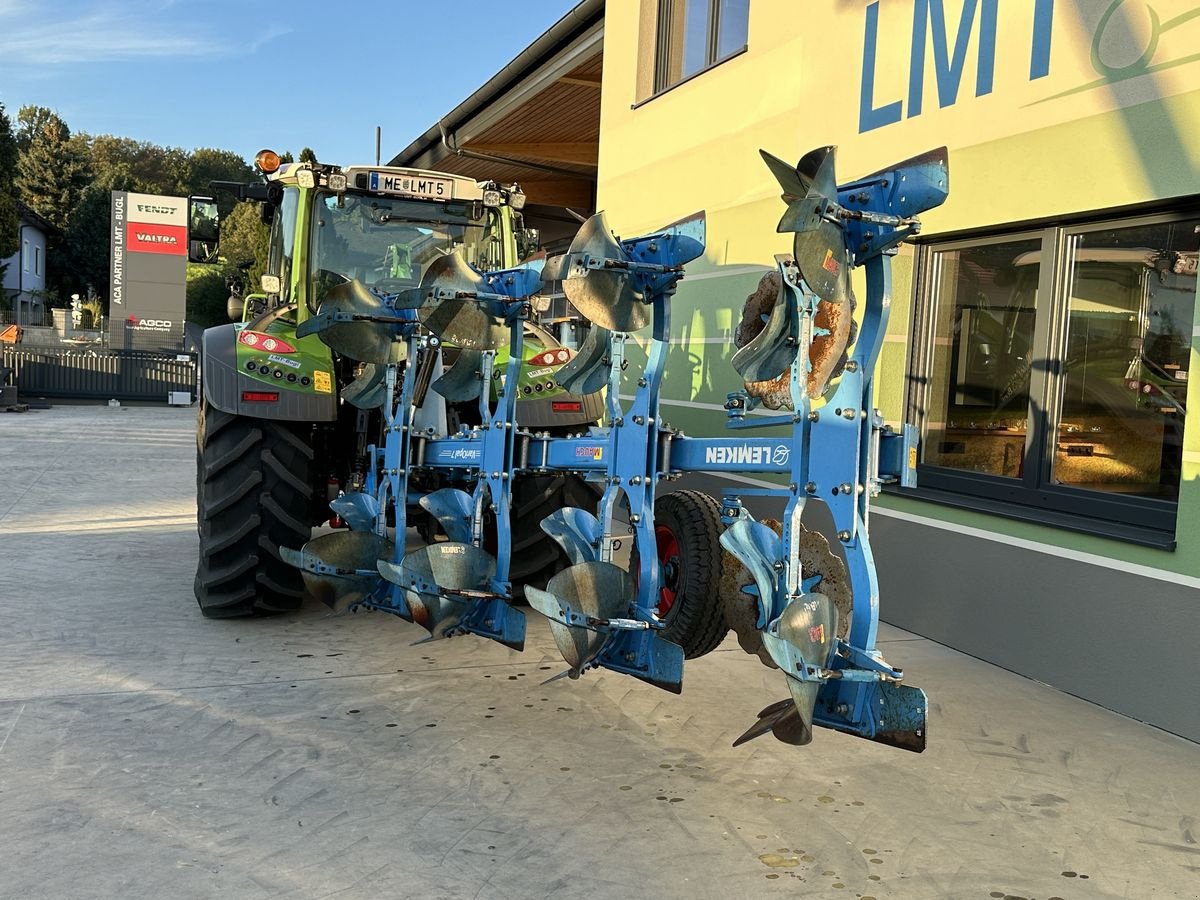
(387, 243)
(283, 241)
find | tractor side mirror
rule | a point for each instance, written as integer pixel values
(204, 229)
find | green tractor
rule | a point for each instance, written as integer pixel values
(285, 421)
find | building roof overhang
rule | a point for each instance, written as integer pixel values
(535, 122)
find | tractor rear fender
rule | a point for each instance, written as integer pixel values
(225, 386)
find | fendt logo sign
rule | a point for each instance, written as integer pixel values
(151, 209)
(154, 209)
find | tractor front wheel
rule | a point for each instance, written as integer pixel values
(254, 494)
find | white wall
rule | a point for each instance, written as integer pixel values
(26, 271)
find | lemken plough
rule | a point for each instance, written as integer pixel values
(778, 586)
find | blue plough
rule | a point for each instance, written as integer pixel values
(815, 621)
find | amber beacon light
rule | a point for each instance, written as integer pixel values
(267, 161)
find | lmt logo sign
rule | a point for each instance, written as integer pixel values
(977, 22)
(977, 47)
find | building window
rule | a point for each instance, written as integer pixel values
(693, 35)
(37, 260)
(1050, 372)
(25, 255)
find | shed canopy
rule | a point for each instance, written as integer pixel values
(536, 122)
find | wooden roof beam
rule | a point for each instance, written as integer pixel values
(580, 153)
(578, 195)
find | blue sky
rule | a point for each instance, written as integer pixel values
(245, 75)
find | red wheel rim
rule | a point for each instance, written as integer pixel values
(668, 559)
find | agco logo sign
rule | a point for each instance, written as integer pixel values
(137, 323)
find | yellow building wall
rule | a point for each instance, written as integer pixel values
(1088, 106)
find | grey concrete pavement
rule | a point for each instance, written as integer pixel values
(146, 752)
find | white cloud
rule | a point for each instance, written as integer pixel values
(102, 34)
(96, 38)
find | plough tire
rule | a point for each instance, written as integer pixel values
(255, 490)
(536, 558)
(695, 619)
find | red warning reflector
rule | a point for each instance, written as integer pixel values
(260, 396)
(268, 342)
(550, 358)
(566, 406)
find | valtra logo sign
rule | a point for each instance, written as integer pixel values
(153, 238)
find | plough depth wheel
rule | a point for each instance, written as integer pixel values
(687, 530)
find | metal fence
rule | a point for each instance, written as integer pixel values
(37, 317)
(99, 375)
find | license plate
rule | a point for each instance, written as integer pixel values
(412, 185)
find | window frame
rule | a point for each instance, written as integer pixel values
(1032, 497)
(281, 234)
(664, 13)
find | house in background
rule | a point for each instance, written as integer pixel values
(25, 277)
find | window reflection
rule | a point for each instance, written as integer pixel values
(695, 34)
(733, 26)
(986, 299)
(1130, 310)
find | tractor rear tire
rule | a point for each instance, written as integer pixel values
(687, 527)
(254, 494)
(536, 557)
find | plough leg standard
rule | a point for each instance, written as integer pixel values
(794, 603)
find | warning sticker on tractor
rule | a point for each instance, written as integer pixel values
(322, 383)
(589, 452)
(912, 457)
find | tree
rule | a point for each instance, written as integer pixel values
(244, 238)
(208, 165)
(52, 172)
(207, 295)
(86, 242)
(307, 155)
(10, 220)
(143, 166)
(30, 120)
